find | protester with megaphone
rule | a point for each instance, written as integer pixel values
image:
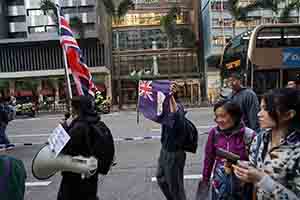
(84, 132)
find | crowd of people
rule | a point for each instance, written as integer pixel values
(264, 136)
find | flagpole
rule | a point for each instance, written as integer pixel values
(69, 89)
(138, 103)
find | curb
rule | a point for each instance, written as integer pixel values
(3, 148)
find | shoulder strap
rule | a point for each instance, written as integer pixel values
(214, 135)
(259, 139)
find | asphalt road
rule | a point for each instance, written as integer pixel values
(137, 147)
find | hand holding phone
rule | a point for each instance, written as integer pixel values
(229, 156)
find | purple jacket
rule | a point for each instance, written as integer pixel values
(237, 142)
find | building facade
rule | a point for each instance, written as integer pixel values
(224, 27)
(139, 44)
(30, 49)
(222, 22)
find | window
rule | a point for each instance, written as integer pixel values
(15, 3)
(17, 19)
(37, 29)
(149, 19)
(89, 27)
(35, 12)
(219, 22)
(291, 36)
(51, 28)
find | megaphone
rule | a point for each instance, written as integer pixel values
(45, 164)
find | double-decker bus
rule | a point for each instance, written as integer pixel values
(272, 56)
(235, 54)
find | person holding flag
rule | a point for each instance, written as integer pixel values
(81, 128)
(158, 102)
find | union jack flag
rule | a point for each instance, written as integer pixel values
(154, 99)
(145, 89)
(80, 71)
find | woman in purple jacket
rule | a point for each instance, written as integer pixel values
(230, 134)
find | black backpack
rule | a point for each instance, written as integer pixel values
(190, 142)
(5, 114)
(102, 147)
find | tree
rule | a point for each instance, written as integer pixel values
(168, 25)
(172, 30)
(240, 13)
(285, 14)
(77, 25)
(50, 9)
(30, 85)
(279, 15)
(116, 10)
(4, 85)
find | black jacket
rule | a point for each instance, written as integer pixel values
(249, 104)
(172, 134)
(72, 185)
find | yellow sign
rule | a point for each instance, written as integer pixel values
(233, 64)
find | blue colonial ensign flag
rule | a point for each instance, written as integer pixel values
(154, 97)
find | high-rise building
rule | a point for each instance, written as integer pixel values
(30, 49)
(140, 44)
(222, 22)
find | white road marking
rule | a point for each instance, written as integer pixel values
(29, 135)
(38, 118)
(187, 177)
(58, 117)
(33, 184)
(198, 127)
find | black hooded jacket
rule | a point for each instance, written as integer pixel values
(72, 185)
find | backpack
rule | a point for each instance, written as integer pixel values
(102, 147)
(12, 178)
(190, 142)
(10, 113)
(7, 113)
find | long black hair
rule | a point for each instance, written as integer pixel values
(279, 101)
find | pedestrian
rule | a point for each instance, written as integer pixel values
(247, 100)
(232, 135)
(12, 106)
(73, 186)
(172, 158)
(4, 119)
(291, 84)
(274, 165)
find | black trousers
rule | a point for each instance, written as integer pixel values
(170, 174)
(74, 188)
